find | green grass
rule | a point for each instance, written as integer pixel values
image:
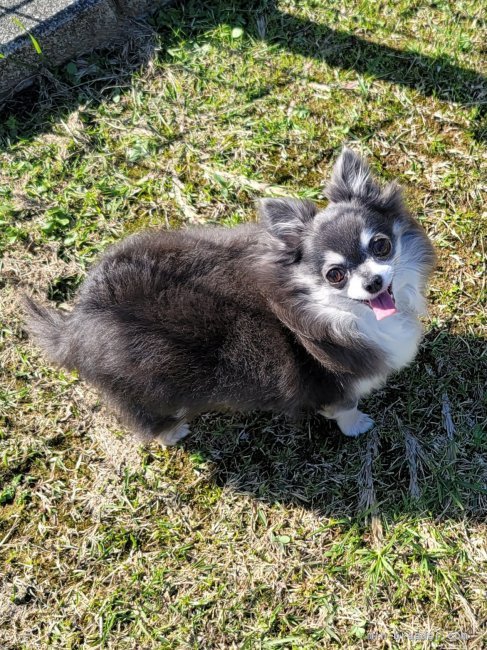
(257, 532)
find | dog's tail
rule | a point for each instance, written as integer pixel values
(49, 328)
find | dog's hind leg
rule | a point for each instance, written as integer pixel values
(167, 430)
(172, 435)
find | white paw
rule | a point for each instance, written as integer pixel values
(353, 423)
(172, 437)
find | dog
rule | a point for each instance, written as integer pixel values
(307, 310)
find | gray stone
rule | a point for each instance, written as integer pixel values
(63, 29)
(137, 7)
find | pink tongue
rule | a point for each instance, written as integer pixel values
(383, 306)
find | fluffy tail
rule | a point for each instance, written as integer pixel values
(49, 329)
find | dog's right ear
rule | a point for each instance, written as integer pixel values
(287, 219)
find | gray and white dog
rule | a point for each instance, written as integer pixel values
(307, 310)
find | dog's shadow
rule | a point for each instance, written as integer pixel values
(427, 453)
(272, 458)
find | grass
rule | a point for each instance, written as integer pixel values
(257, 532)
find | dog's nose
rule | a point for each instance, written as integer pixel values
(373, 285)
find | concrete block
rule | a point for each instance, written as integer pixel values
(138, 7)
(63, 29)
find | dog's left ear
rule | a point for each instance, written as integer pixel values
(287, 219)
(352, 179)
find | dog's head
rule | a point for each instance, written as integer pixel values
(364, 251)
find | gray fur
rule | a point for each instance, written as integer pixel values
(171, 324)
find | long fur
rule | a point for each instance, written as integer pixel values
(171, 324)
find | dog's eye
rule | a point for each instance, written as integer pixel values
(381, 247)
(335, 275)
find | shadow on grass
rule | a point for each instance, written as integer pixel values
(261, 19)
(427, 455)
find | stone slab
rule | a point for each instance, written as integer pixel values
(62, 28)
(137, 7)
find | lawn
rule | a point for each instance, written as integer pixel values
(256, 532)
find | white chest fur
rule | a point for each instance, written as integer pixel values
(397, 336)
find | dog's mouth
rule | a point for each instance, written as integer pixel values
(384, 304)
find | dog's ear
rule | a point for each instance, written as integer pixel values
(391, 199)
(287, 219)
(351, 179)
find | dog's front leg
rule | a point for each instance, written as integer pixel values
(350, 420)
